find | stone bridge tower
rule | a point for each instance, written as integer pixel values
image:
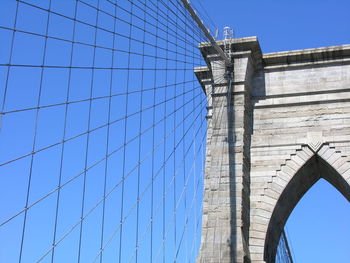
(285, 125)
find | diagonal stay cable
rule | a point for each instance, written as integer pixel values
(109, 193)
(89, 129)
(170, 222)
(191, 207)
(173, 53)
(90, 25)
(175, 173)
(196, 221)
(206, 14)
(176, 26)
(148, 186)
(130, 23)
(181, 10)
(196, 32)
(95, 98)
(91, 45)
(92, 130)
(169, 225)
(141, 19)
(196, 190)
(90, 167)
(197, 226)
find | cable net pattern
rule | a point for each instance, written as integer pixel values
(103, 129)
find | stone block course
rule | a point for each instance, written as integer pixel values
(290, 113)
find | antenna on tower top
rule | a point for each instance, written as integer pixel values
(228, 33)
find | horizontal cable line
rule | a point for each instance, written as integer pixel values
(192, 202)
(88, 67)
(103, 29)
(179, 205)
(104, 198)
(92, 166)
(185, 15)
(157, 210)
(135, 26)
(107, 155)
(98, 46)
(96, 128)
(197, 33)
(95, 98)
(195, 30)
(171, 182)
(169, 225)
(158, 172)
(98, 162)
(142, 19)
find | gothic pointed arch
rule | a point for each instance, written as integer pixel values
(324, 162)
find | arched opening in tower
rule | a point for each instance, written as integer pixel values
(318, 228)
(315, 176)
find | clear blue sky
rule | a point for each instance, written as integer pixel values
(284, 24)
(319, 227)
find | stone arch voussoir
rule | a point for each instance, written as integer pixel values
(331, 160)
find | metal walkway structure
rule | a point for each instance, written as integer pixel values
(103, 130)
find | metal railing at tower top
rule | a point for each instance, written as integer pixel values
(102, 135)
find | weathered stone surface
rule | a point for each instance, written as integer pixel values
(285, 124)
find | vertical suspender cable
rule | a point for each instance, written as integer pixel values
(35, 135)
(13, 36)
(64, 133)
(140, 139)
(153, 134)
(125, 138)
(174, 138)
(111, 82)
(88, 137)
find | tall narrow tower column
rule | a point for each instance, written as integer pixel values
(225, 225)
